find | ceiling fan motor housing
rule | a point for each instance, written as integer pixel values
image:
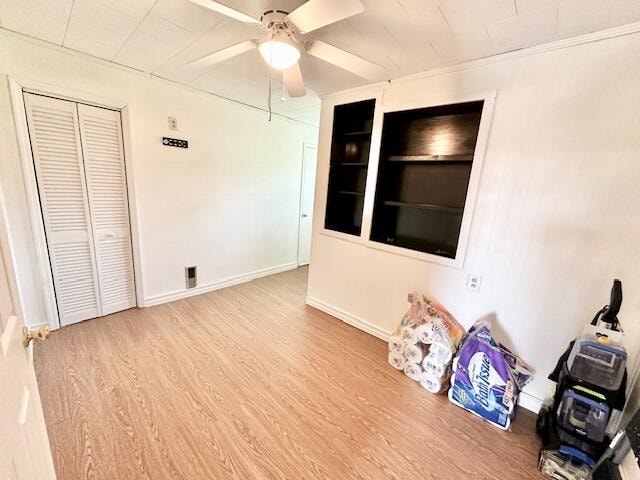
(275, 19)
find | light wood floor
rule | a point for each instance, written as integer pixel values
(250, 383)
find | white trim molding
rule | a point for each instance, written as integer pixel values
(529, 402)
(209, 287)
(33, 203)
(305, 146)
(525, 400)
(354, 321)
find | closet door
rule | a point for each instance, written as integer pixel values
(57, 154)
(101, 135)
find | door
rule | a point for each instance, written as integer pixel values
(80, 172)
(309, 157)
(101, 137)
(57, 155)
(24, 445)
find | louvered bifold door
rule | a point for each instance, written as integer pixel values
(57, 155)
(101, 136)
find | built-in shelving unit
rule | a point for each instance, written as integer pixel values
(423, 177)
(350, 146)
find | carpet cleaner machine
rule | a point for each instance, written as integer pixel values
(580, 425)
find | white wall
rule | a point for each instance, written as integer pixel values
(557, 215)
(228, 204)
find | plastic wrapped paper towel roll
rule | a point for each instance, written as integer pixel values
(413, 371)
(414, 353)
(396, 344)
(396, 360)
(433, 367)
(433, 384)
(408, 335)
(423, 332)
(441, 351)
(429, 332)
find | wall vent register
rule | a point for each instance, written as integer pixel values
(191, 277)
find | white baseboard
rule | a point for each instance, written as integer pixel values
(209, 287)
(529, 402)
(352, 320)
(525, 400)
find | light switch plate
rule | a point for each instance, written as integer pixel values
(173, 123)
(473, 282)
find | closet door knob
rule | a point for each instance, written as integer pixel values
(112, 235)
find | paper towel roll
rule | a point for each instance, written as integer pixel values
(413, 371)
(396, 360)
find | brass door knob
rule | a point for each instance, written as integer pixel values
(40, 333)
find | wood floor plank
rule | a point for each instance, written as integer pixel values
(250, 383)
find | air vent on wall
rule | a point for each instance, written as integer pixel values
(190, 274)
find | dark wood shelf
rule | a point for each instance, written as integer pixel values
(425, 206)
(429, 158)
(356, 134)
(350, 164)
(349, 192)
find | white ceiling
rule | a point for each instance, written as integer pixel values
(403, 36)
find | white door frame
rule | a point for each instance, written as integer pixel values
(19, 85)
(305, 146)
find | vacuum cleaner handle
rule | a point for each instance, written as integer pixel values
(611, 313)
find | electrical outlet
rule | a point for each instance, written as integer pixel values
(173, 123)
(473, 282)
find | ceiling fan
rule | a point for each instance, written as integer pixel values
(284, 42)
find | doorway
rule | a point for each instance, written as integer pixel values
(307, 191)
(78, 157)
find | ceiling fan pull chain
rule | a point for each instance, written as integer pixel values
(269, 100)
(283, 97)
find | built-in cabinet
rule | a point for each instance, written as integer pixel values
(424, 184)
(349, 164)
(425, 164)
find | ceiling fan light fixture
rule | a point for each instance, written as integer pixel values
(280, 52)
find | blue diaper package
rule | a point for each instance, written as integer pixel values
(487, 377)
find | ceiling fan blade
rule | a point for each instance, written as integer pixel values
(227, 11)
(293, 81)
(318, 13)
(224, 54)
(347, 61)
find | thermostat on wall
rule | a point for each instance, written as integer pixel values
(175, 142)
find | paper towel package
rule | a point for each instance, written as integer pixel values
(487, 378)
